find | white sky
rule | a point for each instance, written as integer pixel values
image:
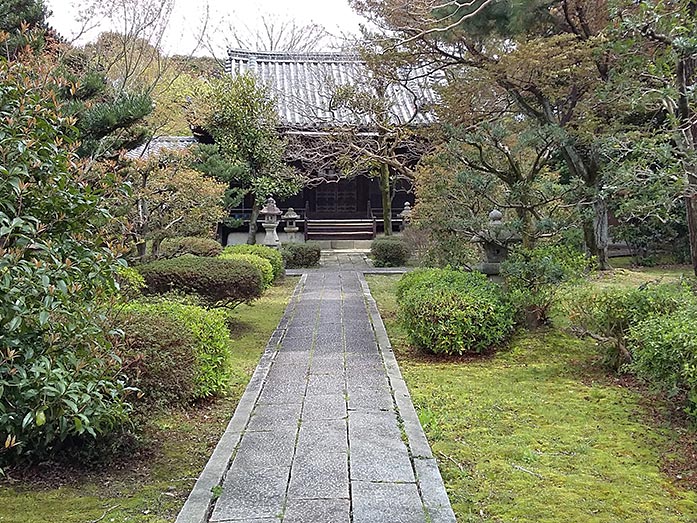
(186, 21)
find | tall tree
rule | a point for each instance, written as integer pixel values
(668, 43)
(546, 55)
(240, 116)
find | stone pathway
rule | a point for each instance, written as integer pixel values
(326, 431)
(347, 260)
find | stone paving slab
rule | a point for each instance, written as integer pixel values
(326, 431)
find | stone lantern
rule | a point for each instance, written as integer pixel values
(405, 215)
(271, 214)
(291, 228)
(495, 241)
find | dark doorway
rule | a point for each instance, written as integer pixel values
(336, 197)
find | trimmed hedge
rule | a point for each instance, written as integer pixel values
(260, 263)
(206, 247)
(272, 255)
(175, 353)
(453, 312)
(301, 255)
(389, 252)
(217, 281)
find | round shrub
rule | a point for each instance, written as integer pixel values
(260, 263)
(389, 252)
(272, 255)
(173, 247)
(130, 282)
(175, 353)
(664, 351)
(301, 255)
(217, 281)
(453, 312)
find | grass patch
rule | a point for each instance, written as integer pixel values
(538, 432)
(151, 486)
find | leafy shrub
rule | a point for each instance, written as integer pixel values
(610, 313)
(173, 247)
(452, 312)
(260, 263)
(664, 350)
(217, 281)
(175, 353)
(301, 255)
(534, 278)
(389, 252)
(274, 257)
(131, 283)
(59, 380)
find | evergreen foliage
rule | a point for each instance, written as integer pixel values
(59, 379)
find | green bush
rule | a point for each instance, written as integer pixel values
(453, 312)
(260, 263)
(301, 255)
(59, 381)
(534, 278)
(664, 351)
(175, 353)
(206, 247)
(389, 252)
(611, 312)
(216, 281)
(272, 255)
(131, 283)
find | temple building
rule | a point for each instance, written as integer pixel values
(304, 87)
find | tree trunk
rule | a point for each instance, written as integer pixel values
(686, 73)
(386, 193)
(141, 249)
(155, 249)
(601, 232)
(691, 205)
(595, 234)
(252, 237)
(527, 230)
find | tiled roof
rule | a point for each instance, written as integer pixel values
(159, 144)
(303, 84)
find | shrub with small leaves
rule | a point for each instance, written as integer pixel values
(206, 247)
(272, 255)
(389, 252)
(174, 353)
(301, 255)
(664, 351)
(131, 283)
(453, 312)
(216, 281)
(609, 313)
(260, 263)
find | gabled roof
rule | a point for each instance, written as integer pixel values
(303, 85)
(160, 144)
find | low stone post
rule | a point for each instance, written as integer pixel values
(495, 241)
(271, 214)
(291, 228)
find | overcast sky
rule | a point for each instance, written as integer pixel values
(186, 21)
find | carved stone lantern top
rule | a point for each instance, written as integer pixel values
(270, 211)
(290, 215)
